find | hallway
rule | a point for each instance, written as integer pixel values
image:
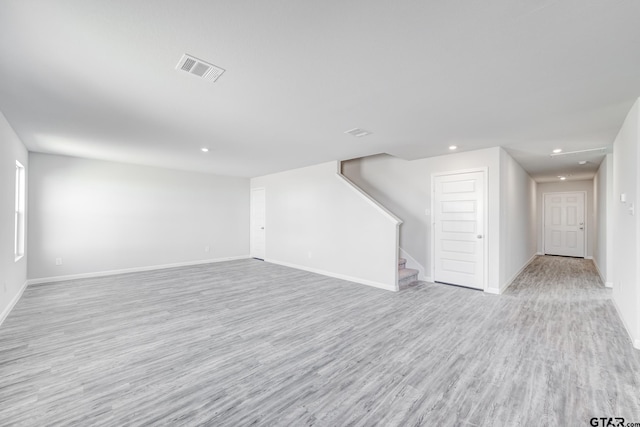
(571, 346)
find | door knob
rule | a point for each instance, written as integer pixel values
(479, 236)
(581, 228)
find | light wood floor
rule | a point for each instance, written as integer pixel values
(251, 343)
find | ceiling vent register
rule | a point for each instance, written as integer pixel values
(200, 68)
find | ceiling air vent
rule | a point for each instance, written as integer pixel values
(358, 132)
(200, 68)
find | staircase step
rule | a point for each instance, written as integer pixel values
(402, 263)
(406, 276)
(406, 272)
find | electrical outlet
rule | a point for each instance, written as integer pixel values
(58, 261)
(207, 248)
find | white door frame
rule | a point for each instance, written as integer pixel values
(584, 211)
(485, 248)
(251, 254)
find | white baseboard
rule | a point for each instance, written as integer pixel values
(428, 279)
(335, 275)
(412, 263)
(513, 278)
(539, 253)
(604, 280)
(130, 270)
(588, 257)
(13, 302)
(635, 342)
(494, 291)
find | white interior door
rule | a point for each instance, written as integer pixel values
(459, 215)
(258, 233)
(564, 224)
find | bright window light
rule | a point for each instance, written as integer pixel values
(18, 247)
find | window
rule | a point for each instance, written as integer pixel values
(20, 211)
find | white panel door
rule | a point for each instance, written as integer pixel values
(459, 210)
(564, 224)
(258, 233)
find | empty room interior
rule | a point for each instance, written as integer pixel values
(319, 213)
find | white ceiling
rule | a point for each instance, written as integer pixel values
(97, 79)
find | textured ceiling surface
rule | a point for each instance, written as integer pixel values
(97, 79)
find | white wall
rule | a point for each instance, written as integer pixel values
(103, 216)
(316, 221)
(13, 275)
(563, 186)
(518, 206)
(626, 226)
(602, 200)
(404, 187)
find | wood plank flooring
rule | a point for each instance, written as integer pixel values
(250, 343)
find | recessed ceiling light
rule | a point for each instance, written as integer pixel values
(453, 147)
(358, 132)
(562, 178)
(204, 149)
(582, 162)
(557, 150)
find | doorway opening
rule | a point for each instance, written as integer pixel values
(258, 224)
